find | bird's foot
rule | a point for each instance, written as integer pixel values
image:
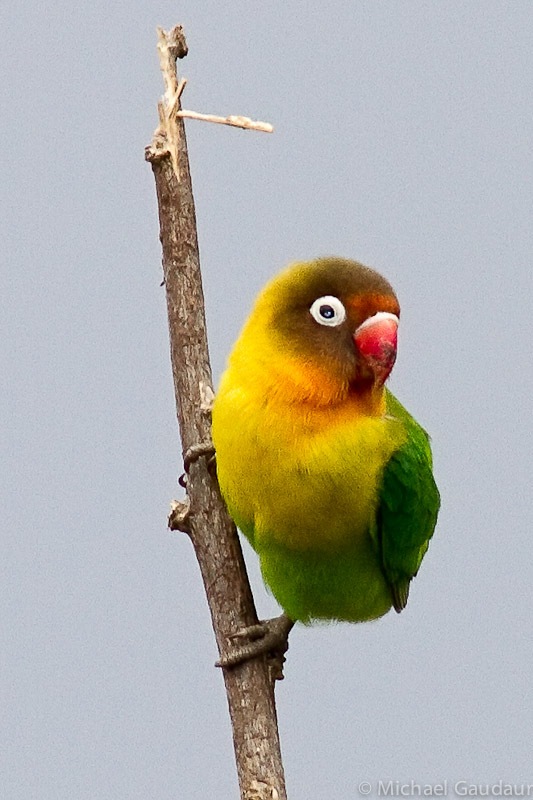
(192, 454)
(270, 636)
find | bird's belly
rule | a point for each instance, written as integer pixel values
(347, 584)
(307, 500)
(302, 510)
(310, 490)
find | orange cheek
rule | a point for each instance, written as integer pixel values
(367, 305)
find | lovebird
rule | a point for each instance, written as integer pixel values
(320, 466)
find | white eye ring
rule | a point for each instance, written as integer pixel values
(328, 310)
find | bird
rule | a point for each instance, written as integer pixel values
(320, 466)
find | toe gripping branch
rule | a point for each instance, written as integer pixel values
(192, 454)
(180, 509)
(269, 637)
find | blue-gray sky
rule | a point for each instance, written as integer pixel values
(403, 139)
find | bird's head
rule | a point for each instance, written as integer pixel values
(323, 329)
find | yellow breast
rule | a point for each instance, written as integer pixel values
(295, 472)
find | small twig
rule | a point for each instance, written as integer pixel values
(181, 86)
(179, 515)
(172, 106)
(235, 121)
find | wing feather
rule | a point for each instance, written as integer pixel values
(408, 508)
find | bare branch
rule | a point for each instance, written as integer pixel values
(202, 515)
(236, 122)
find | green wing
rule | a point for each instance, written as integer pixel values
(409, 504)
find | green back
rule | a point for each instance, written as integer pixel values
(409, 504)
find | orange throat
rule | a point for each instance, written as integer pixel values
(305, 387)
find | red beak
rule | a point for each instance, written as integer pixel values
(376, 341)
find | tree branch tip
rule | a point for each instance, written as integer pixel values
(174, 40)
(180, 511)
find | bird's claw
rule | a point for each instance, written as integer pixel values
(252, 632)
(270, 636)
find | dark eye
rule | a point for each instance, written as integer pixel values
(328, 310)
